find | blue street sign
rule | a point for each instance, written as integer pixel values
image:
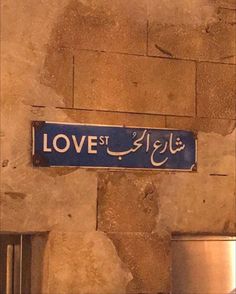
(64, 144)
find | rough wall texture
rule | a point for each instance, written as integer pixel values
(153, 63)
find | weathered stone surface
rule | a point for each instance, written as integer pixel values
(29, 23)
(206, 125)
(216, 90)
(148, 258)
(182, 202)
(229, 4)
(85, 264)
(220, 160)
(116, 25)
(21, 81)
(196, 29)
(25, 31)
(97, 117)
(126, 206)
(130, 83)
(196, 203)
(211, 133)
(40, 199)
(57, 73)
(29, 203)
(115, 118)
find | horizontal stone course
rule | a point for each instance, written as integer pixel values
(113, 118)
(206, 125)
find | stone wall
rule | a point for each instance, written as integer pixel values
(150, 63)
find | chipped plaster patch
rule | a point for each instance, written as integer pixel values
(94, 268)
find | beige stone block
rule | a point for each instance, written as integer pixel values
(196, 29)
(57, 74)
(48, 198)
(117, 25)
(148, 258)
(126, 206)
(216, 90)
(135, 84)
(196, 203)
(85, 263)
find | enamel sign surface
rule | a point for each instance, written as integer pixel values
(98, 146)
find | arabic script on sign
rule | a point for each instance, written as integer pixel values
(157, 147)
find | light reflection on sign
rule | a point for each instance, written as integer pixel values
(62, 144)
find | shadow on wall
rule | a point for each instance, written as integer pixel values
(39, 262)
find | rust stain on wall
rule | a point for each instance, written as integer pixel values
(59, 171)
(16, 195)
